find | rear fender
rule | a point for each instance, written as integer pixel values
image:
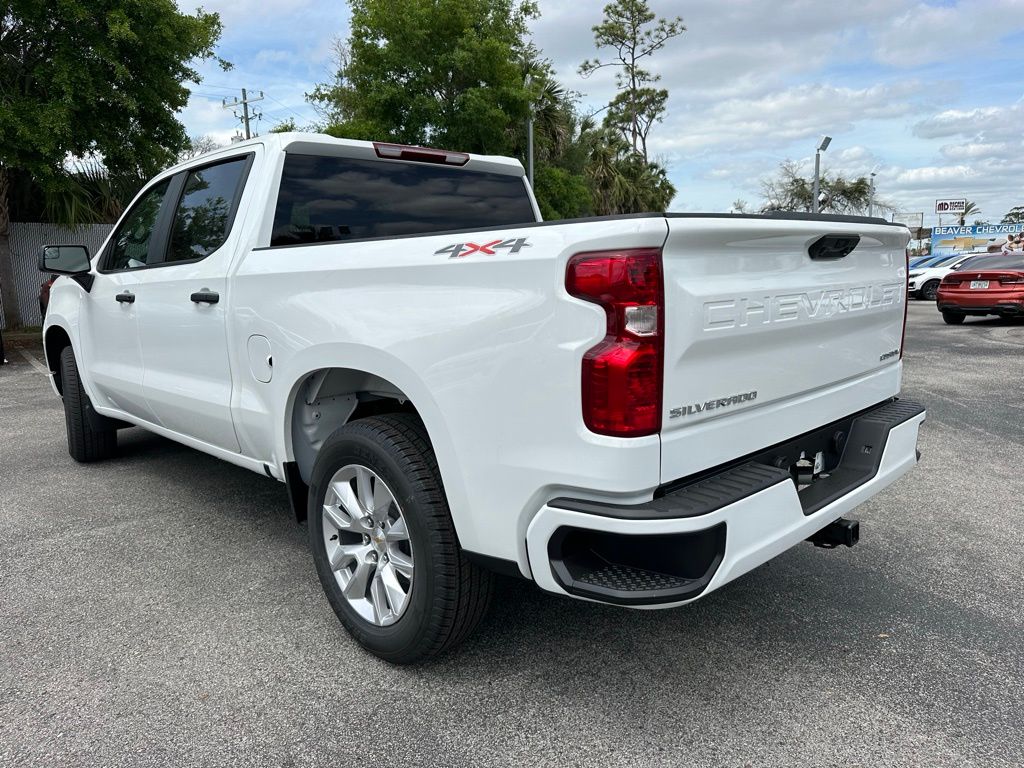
(387, 375)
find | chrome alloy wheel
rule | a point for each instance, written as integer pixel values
(368, 544)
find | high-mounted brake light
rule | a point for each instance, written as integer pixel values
(622, 375)
(419, 154)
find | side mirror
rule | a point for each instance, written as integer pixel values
(71, 260)
(64, 259)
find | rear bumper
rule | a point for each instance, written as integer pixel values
(701, 535)
(1009, 303)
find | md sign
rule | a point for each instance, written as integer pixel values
(956, 206)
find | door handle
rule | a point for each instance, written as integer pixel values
(205, 297)
(127, 297)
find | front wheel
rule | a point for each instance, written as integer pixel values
(953, 318)
(91, 437)
(384, 544)
(929, 290)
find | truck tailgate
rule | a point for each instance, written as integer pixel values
(764, 341)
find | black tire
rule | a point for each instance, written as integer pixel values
(449, 594)
(930, 290)
(91, 437)
(953, 318)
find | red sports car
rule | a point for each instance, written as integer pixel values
(991, 285)
(44, 295)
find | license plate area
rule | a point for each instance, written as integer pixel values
(979, 285)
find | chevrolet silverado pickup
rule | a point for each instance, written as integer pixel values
(632, 410)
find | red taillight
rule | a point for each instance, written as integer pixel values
(622, 374)
(906, 304)
(419, 154)
(1017, 280)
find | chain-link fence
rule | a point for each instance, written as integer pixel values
(26, 240)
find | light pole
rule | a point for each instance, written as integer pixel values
(529, 135)
(822, 146)
(871, 196)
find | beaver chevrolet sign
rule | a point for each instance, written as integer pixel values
(980, 238)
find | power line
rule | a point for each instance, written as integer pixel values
(218, 87)
(281, 103)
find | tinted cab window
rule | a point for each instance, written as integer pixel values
(129, 247)
(203, 216)
(324, 199)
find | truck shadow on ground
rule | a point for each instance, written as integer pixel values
(807, 610)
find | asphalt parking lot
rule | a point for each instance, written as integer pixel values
(162, 610)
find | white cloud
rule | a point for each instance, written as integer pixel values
(979, 151)
(929, 33)
(988, 122)
(931, 176)
(275, 56)
(799, 112)
(734, 49)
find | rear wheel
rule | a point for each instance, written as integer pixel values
(384, 543)
(953, 318)
(91, 437)
(929, 290)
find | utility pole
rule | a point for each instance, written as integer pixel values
(529, 135)
(871, 196)
(822, 146)
(245, 101)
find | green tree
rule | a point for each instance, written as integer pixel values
(285, 126)
(788, 190)
(439, 72)
(634, 33)
(621, 181)
(99, 78)
(1014, 216)
(88, 193)
(559, 182)
(562, 194)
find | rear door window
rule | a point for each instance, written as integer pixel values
(328, 199)
(203, 216)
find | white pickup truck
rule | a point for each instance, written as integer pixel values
(633, 410)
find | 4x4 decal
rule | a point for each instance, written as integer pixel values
(459, 250)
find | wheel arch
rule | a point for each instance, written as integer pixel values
(324, 399)
(55, 340)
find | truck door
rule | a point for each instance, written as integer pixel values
(112, 353)
(182, 305)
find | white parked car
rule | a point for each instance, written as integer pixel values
(632, 409)
(924, 283)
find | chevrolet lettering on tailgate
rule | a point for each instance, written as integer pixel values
(811, 305)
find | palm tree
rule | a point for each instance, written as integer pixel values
(87, 193)
(969, 209)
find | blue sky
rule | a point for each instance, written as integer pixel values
(930, 95)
